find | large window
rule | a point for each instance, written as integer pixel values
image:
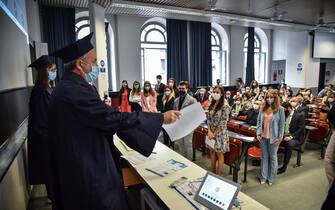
(259, 59)
(219, 58)
(153, 52)
(82, 27)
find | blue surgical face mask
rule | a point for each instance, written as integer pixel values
(93, 75)
(52, 75)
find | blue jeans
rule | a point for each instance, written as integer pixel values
(269, 162)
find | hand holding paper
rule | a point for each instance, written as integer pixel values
(191, 117)
(171, 116)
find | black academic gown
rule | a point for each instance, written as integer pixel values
(86, 174)
(37, 134)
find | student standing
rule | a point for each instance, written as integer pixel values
(167, 102)
(183, 100)
(135, 97)
(38, 142)
(149, 98)
(217, 129)
(159, 88)
(270, 132)
(124, 97)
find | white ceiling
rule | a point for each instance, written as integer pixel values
(277, 14)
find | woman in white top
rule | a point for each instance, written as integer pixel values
(135, 97)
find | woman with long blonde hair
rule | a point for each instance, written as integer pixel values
(270, 132)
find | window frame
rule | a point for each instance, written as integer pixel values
(222, 57)
(257, 50)
(150, 45)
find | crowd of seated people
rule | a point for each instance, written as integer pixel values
(278, 114)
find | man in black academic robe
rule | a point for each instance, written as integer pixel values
(86, 174)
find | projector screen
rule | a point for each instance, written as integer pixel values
(324, 45)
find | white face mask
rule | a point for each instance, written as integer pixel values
(171, 84)
(216, 96)
(330, 100)
(270, 101)
(294, 104)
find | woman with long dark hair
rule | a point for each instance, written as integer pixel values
(135, 97)
(149, 98)
(173, 84)
(38, 155)
(218, 117)
(167, 102)
(124, 97)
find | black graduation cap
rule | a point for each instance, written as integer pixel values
(42, 62)
(75, 50)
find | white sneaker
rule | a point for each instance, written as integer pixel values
(261, 181)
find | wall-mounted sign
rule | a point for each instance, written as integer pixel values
(102, 63)
(102, 69)
(299, 67)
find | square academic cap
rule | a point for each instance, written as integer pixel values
(42, 62)
(75, 50)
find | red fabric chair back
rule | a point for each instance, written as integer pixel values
(319, 134)
(199, 137)
(235, 150)
(247, 131)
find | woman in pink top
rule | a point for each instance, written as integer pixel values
(270, 132)
(149, 98)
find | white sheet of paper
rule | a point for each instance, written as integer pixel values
(191, 117)
(136, 158)
(210, 142)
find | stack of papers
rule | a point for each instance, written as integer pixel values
(167, 168)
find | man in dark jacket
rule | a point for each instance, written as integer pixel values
(159, 88)
(294, 131)
(252, 114)
(85, 169)
(301, 105)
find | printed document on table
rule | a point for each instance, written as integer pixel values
(191, 117)
(136, 158)
(167, 168)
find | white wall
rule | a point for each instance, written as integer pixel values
(33, 19)
(14, 55)
(296, 47)
(236, 52)
(127, 30)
